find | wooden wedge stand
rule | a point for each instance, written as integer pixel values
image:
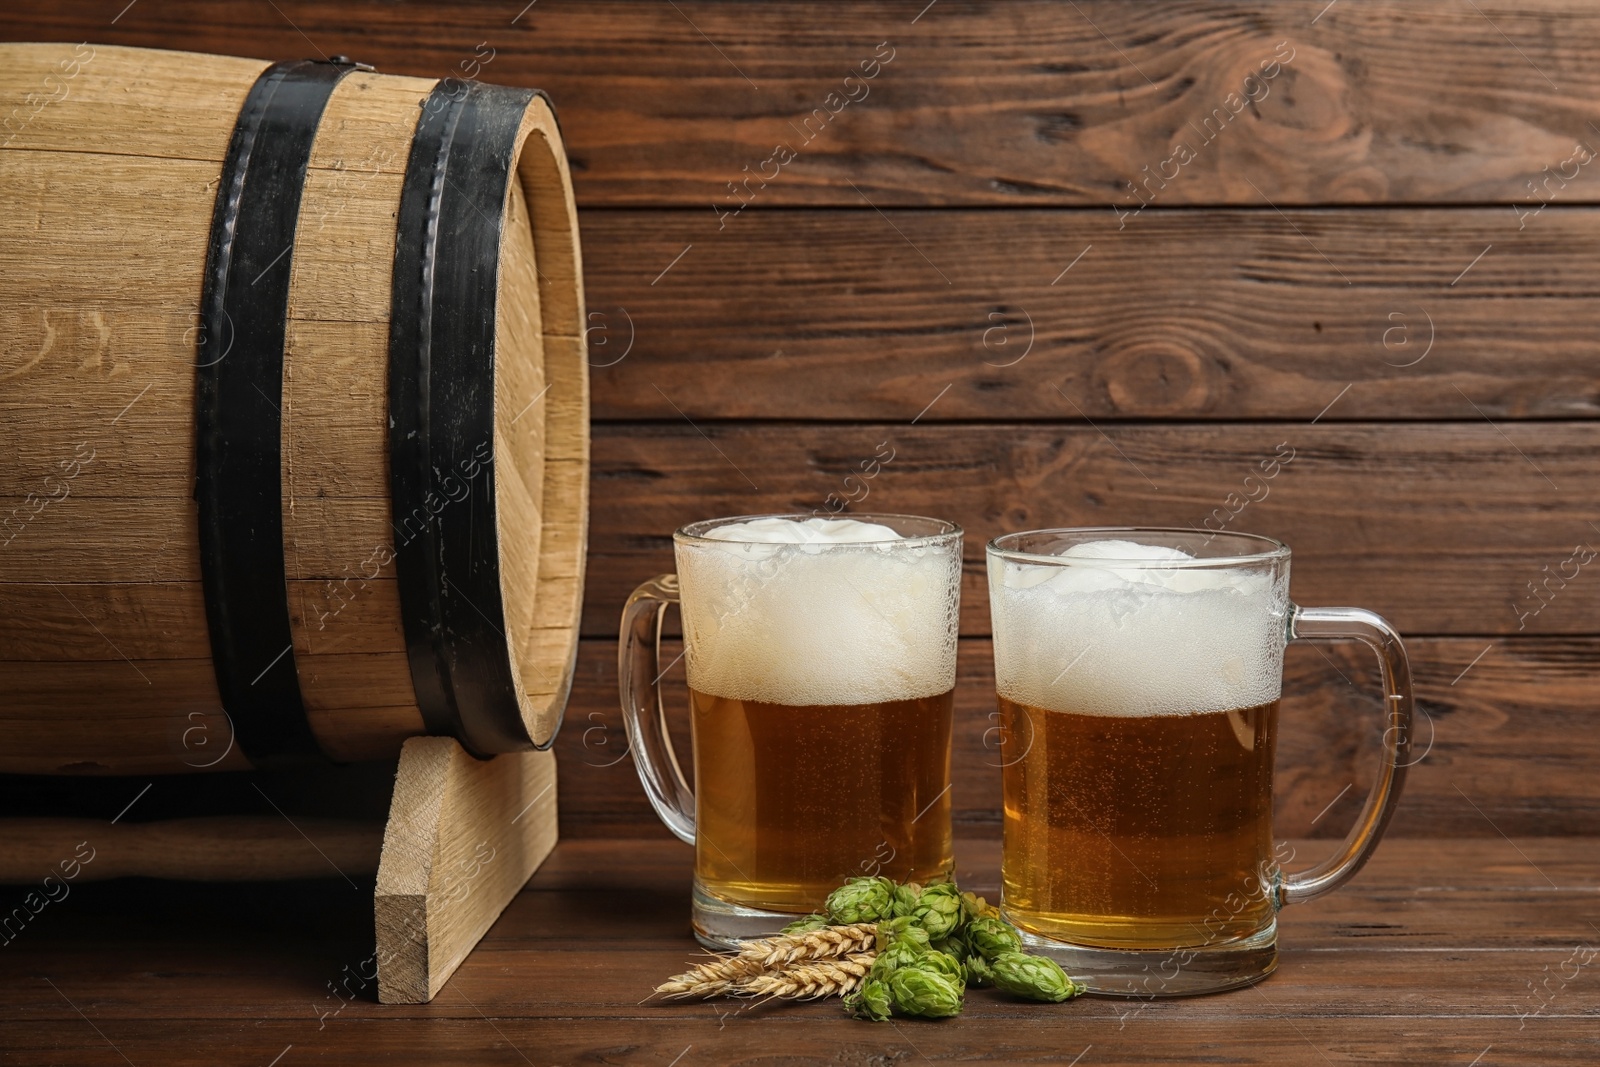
(464, 835)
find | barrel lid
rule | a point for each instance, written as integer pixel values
(491, 651)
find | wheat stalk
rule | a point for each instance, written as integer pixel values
(775, 958)
(825, 943)
(712, 978)
(811, 979)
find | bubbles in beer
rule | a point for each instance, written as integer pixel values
(1111, 631)
(819, 611)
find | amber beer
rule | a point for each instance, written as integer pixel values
(1139, 831)
(820, 657)
(1138, 673)
(792, 799)
(1138, 702)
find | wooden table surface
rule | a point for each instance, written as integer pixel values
(1477, 952)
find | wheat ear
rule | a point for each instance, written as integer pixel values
(711, 978)
(810, 979)
(825, 943)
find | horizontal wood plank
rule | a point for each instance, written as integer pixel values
(820, 1033)
(1428, 956)
(155, 689)
(1439, 527)
(85, 621)
(836, 315)
(124, 716)
(582, 979)
(966, 103)
(1503, 742)
(1191, 315)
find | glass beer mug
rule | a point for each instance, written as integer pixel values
(1138, 673)
(821, 659)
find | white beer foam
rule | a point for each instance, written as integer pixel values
(806, 531)
(1108, 636)
(820, 611)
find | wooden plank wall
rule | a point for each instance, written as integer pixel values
(1079, 264)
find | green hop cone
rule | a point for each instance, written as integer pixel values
(870, 1001)
(897, 955)
(992, 937)
(946, 964)
(861, 900)
(926, 993)
(978, 972)
(806, 925)
(976, 907)
(905, 928)
(939, 910)
(1033, 977)
(955, 944)
(905, 899)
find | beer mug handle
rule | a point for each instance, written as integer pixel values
(1376, 633)
(644, 713)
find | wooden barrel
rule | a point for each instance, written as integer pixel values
(293, 411)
